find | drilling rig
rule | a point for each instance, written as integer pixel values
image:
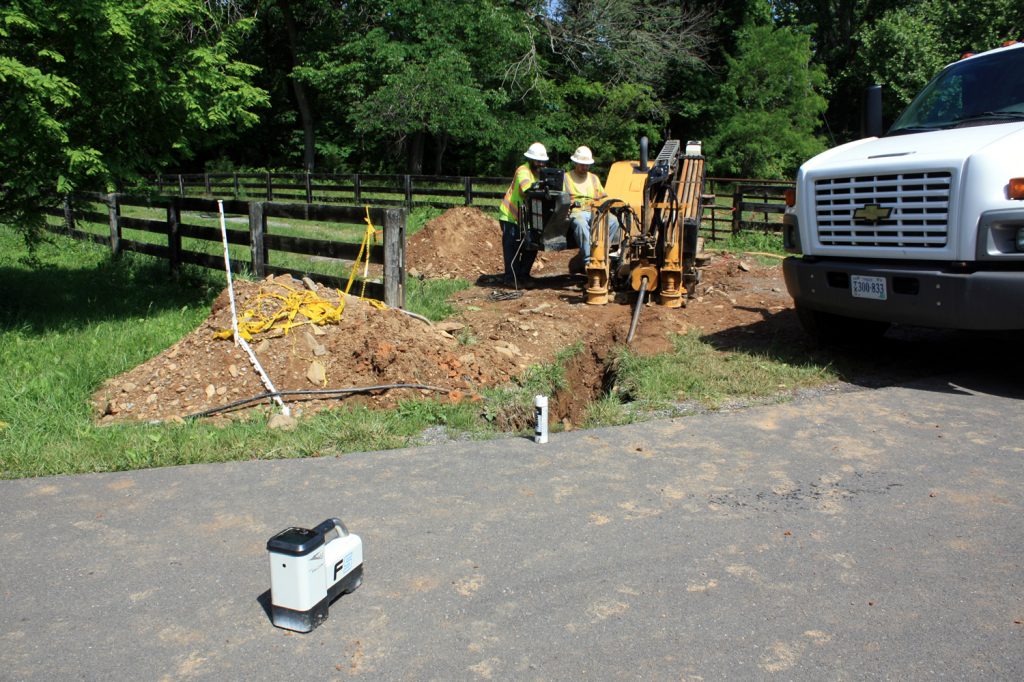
(658, 207)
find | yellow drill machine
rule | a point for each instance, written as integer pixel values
(658, 206)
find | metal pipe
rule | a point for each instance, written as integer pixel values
(871, 112)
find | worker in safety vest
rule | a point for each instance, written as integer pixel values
(519, 260)
(586, 191)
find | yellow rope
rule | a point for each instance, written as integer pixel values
(766, 254)
(270, 311)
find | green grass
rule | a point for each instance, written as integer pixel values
(80, 318)
(697, 372)
(753, 241)
(510, 407)
(429, 297)
(420, 216)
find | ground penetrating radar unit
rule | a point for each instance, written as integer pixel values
(310, 568)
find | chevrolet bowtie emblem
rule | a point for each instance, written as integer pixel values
(872, 213)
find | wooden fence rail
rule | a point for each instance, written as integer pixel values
(730, 204)
(261, 242)
(441, 191)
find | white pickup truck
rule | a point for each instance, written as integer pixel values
(925, 224)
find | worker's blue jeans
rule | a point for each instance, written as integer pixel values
(581, 228)
(518, 259)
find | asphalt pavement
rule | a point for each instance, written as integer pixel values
(862, 534)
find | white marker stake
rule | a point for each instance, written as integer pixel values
(239, 341)
(540, 408)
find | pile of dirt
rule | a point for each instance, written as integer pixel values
(366, 347)
(493, 337)
(462, 242)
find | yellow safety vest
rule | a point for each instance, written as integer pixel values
(586, 192)
(523, 179)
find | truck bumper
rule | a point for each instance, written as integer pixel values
(925, 296)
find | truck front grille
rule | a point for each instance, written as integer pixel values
(895, 210)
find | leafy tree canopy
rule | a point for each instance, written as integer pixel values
(774, 102)
(908, 45)
(94, 92)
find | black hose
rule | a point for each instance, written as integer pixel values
(312, 392)
(636, 310)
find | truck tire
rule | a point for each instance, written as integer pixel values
(829, 328)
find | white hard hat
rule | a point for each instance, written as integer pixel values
(582, 155)
(537, 152)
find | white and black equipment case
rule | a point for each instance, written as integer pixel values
(310, 568)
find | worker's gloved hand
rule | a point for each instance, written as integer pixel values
(575, 204)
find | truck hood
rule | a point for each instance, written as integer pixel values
(938, 146)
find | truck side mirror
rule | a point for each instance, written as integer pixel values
(871, 112)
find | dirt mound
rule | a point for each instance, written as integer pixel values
(366, 347)
(462, 242)
(494, 335)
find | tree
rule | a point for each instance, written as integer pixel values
(434, 95)
(772, 105)
(617, 41)
(96, 92)
(309, 25)
(907, 46)
(409, 72)
(608, 118)
(833, 25)
(476, 82)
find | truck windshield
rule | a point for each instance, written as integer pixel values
(982, 91)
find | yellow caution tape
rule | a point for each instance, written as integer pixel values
(364, 249)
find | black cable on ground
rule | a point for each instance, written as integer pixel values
(505, 295)
(636, 310)
(338, 392)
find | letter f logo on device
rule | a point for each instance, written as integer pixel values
(872, 213)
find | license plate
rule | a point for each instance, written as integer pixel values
(868, 287)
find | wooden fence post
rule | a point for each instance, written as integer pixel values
(114, 211)
(357, 188)
(737, 210)
(394, 257)
(270, 187)
(408, 192)
(160, 184)
(69, 215)
(257, 228)
(309, 189)
(234, 175)
(206, 182)
(181, 185)
(468, 183)
(174, 235)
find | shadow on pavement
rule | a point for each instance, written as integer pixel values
(932, 359)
